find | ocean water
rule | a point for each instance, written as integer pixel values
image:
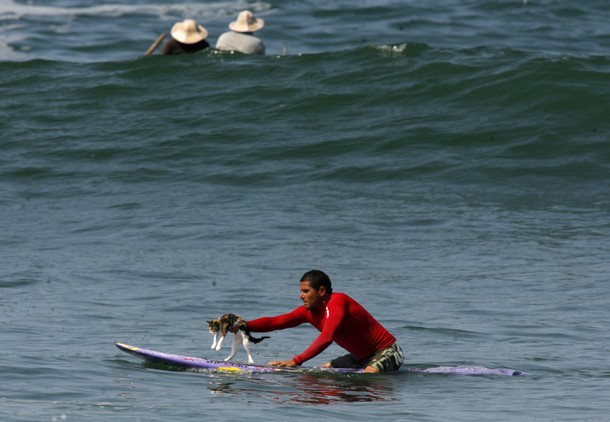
(447, 163)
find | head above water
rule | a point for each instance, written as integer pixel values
(246, 22)
(188, 32)
(317, 279)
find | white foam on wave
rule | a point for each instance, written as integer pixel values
(395, 48)
(9, 9)
(19, 21)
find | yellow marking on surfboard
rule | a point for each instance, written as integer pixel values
(127, 346)
(229, 369)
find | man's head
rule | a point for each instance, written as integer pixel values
(318, 279)
(316, 289)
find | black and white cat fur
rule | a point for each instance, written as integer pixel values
(231, 323)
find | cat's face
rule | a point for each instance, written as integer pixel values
(214, 326)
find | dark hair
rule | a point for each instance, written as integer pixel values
(318, 279)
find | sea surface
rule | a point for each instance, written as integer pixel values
(446, 162)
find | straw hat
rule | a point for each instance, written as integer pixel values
(246, 22)
(188, 32)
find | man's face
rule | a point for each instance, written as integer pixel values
(312, 298)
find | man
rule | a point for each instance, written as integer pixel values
(186, 37)
(240, 38)
(341, 319)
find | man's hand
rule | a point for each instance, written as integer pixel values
(283, 363)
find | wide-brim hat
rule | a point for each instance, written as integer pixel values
(188, 32)
(246, 22)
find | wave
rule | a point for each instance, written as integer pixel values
(86, 31)
(388, 112)
(10, 9)
(91, 31)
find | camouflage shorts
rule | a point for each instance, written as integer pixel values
(385, 360)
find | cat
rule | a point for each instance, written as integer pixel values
(231, 323)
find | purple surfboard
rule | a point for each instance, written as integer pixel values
(468, 370)
(201, 364)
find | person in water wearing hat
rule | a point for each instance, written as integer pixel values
(187, 37)
(240, 37)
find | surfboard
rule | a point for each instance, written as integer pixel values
(196, 364)
(468, 370)
(189, 363)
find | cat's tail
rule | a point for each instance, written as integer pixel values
(257, 339)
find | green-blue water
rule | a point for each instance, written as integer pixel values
(447, 163)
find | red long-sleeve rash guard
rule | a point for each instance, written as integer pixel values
(343, 320)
